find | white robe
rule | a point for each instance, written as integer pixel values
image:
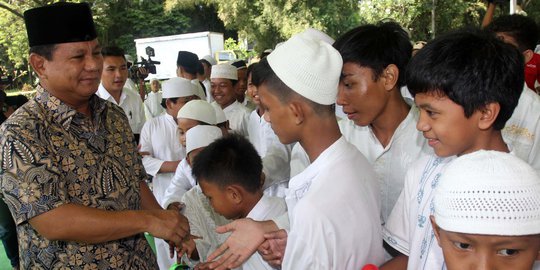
(153, 105)
(159, 137)
(132, 105)
(238, 116)
(275, 155)
(181, 182)
(334, 208)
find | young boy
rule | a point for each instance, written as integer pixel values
(229, 173)
(487, 212)
(194, 113)
(466, 85)
(224, 78)
(297, 86)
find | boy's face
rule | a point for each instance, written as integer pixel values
(114, 74)
(241, 85)
(220, 200)
(362, 98)
(223, 92)
(445, 126)
(184, 125)
(253, 92)
(474, 251)
(279, 115)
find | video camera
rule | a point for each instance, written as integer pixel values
(149, 65)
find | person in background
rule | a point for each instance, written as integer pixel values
(187, 67)
(71, 175)
(152, 104)
(241, 86)
(207, 61)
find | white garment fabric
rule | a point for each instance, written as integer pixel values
(390, 163)
(159, 137)
(299, 160)
(132, 105)
(131, 85)
(238, 116)
(208, 86)
(267, 208)
(275, 155)
(153, 105)
(522, 130)
(408, 229)
(200, 91)
(203, 221)
(327, 231)
(181, 182)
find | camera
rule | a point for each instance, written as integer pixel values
(148, 64)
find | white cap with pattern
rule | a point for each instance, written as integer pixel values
(224, 71)
(201, 136)
(209, 59)
(178, 87)
(220, 114)
(199, 110)
(309, 66)
(488, 192)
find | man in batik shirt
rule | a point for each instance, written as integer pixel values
(71, 175)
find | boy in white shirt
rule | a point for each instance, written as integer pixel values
(297, 86)
(487, 212)
(466, 85)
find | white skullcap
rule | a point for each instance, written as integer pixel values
(224, 71)
(308, 66)
(210, 59)
(199, 90)
(178, 87)
(220, 114)
(488, 192)
(318, 34)
(201, 136)
(129, 58)
(199, 110)
(419, 45)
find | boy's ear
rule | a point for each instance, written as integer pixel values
(234, 193)
(298, 111)
(263, 179)
(38, 64)
(528, 55)
(436, 229)
(489, 114)
(391, 75)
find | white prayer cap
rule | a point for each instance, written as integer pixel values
(199, 91)
(224, 71)
(129, 58)
(220, 114)
(318, 34)
(199, 110)
(209, 59)
(308, 66)
(201, 136)
(178, 87)
(488, 192)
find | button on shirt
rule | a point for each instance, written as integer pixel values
(132, 105)
(53, 155)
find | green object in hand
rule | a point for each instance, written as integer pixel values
(179, 266)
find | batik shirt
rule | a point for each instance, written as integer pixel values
(51, 155)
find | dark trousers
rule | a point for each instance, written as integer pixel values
(8, 234)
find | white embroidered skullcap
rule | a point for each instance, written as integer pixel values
(488, 192)
(201, 136)
(224, 71)
(318, 34)
(308, 66)
(199, 90)
(199, 110)
(220, 114)
(209, 59)
(178, 87)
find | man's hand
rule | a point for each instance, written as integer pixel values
(273, 248)
(169, 225)
(247, 235)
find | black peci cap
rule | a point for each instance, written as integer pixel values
(59, 23)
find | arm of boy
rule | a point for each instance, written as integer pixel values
(273, 248)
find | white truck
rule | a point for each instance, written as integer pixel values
(166, 49)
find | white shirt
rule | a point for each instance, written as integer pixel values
(153, 105)
(275, 155)
(238, 116)
(334, 213)
(207, 84)
(408, 228)
(181, 182)
(159, 137)
(267, 208)
(390, 163)
(130, 84)
(132, 105)
(522, 130)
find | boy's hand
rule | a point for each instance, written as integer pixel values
(273, 248)
(188, 246)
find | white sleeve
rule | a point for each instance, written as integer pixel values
(151, 164)
(178, 187)
(282, 222)
(276, 160)
(141, 118)
(299, 160)
(396, 231)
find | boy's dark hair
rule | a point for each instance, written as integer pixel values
(263, 74)
(522, 28)
(473, 69)
(44, 50)
(227, 161)
(113, 51)
(376, 47)
(250, 69)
